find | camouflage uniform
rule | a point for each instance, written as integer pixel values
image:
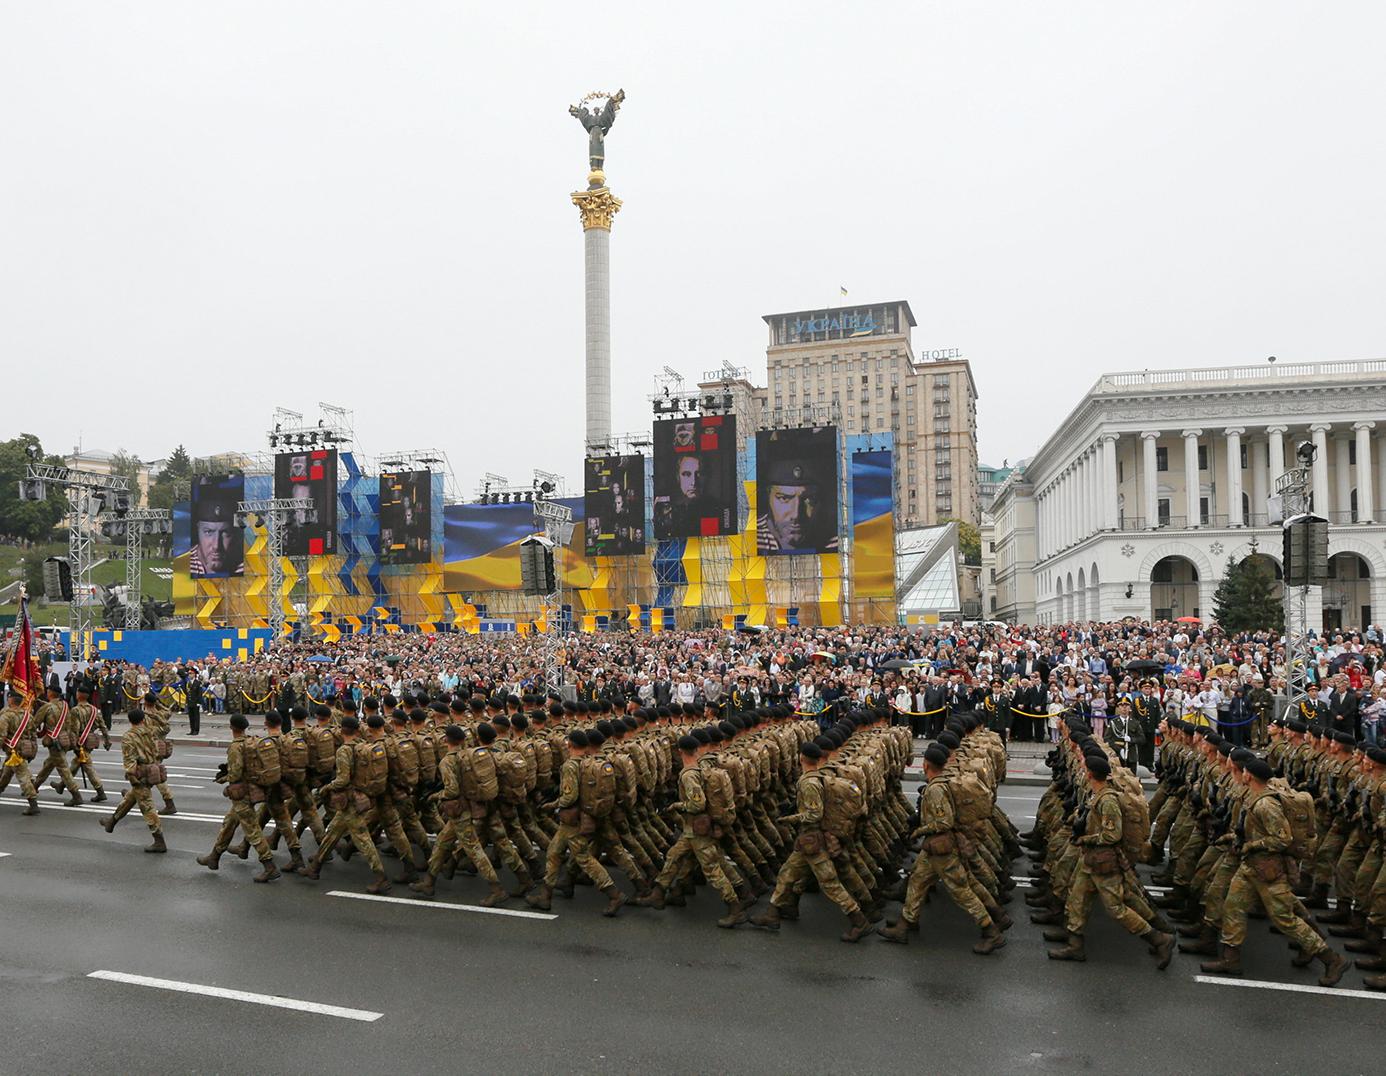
(1262, 875)
(12, 719)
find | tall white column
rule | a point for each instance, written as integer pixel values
(1191, 477)
(1150, 492)
(1277, 451)
(1234, 474)
(1320, 474)
(1260, 479)
(1082, 496)
(597, 206)
(1366, 507)
(1111, 490)
(1090, 485)
(1342, 479)
(1381, 472)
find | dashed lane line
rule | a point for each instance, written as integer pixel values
(101, 809)
(442, 905)
(272, 1000)
(1296, 988)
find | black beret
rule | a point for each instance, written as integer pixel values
(273, 720)
(688, 743)
(322, 711)
(350, 724)
(811, 750)
(349, 705)
(454, 734)
(1259, 768)
(1098, 766)
(519, 722)
(936, 755)
(375, 721)
(1377, 755)
(577, 738)
(298, 713)
(486, 732)
(500, 721)
(136, 716)
(595, 738)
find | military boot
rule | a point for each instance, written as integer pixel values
(380, 885)
(1370, 943)
(541, 898)
(1318, 897)
(1355, 927)
(169, 808)
(268, 871)
(407, 873)
(858, 925)
(1175, 898)
(497, 895)
(212, 860)
(100, 796)
(241, 850)
(33, 807)
(1229, 963)
(1161, 947)
(524, 882)
(424, 886)
(1334, 964)
(1374, 982)
(653, 899)
(313, 871)
(992, 939)
(1047, 918)
(76, 800)
(736, 913)
(770, 920)
(614, 899)
(898, 931)
(1055, 934)
(1206, 945)
(1339, 915)
(158, 846)
(296, 863)
(1072, 951)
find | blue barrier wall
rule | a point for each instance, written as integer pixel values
(146, 647)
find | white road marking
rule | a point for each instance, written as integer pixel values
(5, 855)
(273, 1000)
(441, 904)
(1261, 984)
(101, 809)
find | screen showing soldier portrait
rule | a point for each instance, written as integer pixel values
(309, 476)
(695, 477)
(614, 505)
(217, 550)
(405, 517)
(796, 491)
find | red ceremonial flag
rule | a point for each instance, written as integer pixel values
(21, 663)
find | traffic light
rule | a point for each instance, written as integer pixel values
(537, 575)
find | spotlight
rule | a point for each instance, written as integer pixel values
(1306, 452)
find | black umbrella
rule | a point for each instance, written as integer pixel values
(750, 629)
(895, 664)
(1144, 665)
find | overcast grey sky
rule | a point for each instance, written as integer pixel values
(207, 210)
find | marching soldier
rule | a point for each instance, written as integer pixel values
(156, 715)
(140, 757)
(357, 772)
(21, 746)
(237, 777)
(55, 719)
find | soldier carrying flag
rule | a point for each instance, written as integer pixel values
(22, 676)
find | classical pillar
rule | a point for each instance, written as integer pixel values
(1260, 480)
(1381, 477)
(1320, 470)
(1148, 477)
(598, 206)
(1191, 477)
(1110, 488)
(1090, 469)
(1366, 506)
(1234, 474)
(1276, 444)
(1342, 479)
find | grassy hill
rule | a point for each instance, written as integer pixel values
(13, 560)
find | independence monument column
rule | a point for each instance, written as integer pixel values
(597, 205)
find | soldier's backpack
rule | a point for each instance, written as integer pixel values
(371, 775)
(1299, 812)
(262, 766)
(720, 793)
(322, 749)
(597, 787)
(844, 801)
(293, 755)
(406, 758)
(972, 801)
(627, 777)
(512, 773)
(544, 764)
(480, 782)
(428, 758)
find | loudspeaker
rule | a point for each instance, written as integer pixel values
(537, 575)
(57, 579)
(1304, 551)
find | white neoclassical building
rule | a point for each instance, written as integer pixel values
(1158, 477)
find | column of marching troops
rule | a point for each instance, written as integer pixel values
(1249, 837)
(751, 803)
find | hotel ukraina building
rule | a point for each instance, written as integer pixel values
(1135, 504)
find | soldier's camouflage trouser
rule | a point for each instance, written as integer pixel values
(1326, 856)
(20, 772)
(276, 807)
(239, 815)
(567, 839)
(1376, 897)
(1277, 899)
(949, 872)
(1110, 889)
(139, 796)
(709, 856)
(384, 815)
(56, 761)
(1215, 892)
(1350, 861)
(460, 833)
(346, 822)
(82, 763)
(820, 864)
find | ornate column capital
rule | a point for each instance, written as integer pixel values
(1192, 433)
(1150, 434)
(1234, 431)
(1320, 427)
(1364, 425)
(1282, 430)
(1111, 438)
(597, 207)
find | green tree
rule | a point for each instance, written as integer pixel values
(969, 541)
(172, 484)
(30, 521)
(1245, 599)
